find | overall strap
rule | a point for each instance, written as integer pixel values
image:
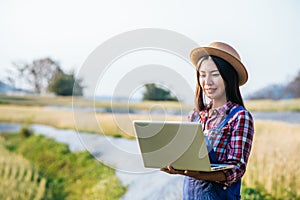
(211, 150)
(229, 116)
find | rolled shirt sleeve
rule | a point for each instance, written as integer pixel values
(239, 147)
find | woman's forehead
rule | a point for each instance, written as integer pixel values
(208, 65)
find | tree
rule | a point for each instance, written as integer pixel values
(154, 93)
(37, 74)
(65, 85)
(293, 87)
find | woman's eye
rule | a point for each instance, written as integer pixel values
(215, 75)
(202, 75)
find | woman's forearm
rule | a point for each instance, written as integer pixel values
(208, 176)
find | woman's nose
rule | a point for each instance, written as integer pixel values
(208, 80)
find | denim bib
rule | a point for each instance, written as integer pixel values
(195, 189)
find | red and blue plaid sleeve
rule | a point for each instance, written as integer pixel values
(238, 150)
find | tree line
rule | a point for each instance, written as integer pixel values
(45, 75)
(279, 91)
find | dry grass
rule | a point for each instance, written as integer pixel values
(272, 105)
(34, 114)
(105, 123)
(273, 166)
(252, 105)
(121, 124)
(274, 162)
(33, 100)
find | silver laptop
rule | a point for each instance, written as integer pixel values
(180, 144)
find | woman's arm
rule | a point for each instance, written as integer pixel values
(239, 148)
(207, 176)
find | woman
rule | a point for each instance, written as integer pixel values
(220, 72)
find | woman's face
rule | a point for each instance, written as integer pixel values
(212, 82)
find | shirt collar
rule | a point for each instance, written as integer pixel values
(225, 109)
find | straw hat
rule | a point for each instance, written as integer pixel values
(225, 52)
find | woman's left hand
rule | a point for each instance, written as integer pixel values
(170, 170)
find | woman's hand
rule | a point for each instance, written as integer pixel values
(170, 170)
(194, 174)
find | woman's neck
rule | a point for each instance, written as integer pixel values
(217, 104)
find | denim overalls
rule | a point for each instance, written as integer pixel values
(195, 189)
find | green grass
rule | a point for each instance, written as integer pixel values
(19, 179)
(69, 175)
(258, 193)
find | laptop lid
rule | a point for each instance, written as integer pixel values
(180, 144)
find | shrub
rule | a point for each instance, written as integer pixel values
(25, 131)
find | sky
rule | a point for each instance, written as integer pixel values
(265, 33)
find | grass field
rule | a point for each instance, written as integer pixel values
(273, 171)
(83, 102)
(19, 179)
(108, 123)
(252, 105)
(105, 123)
(73, 176)
(274, 166)
(267, 105)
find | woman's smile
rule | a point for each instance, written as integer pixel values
(210, 90)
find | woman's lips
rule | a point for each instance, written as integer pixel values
(210, 90)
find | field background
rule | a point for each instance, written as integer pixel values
(273, 171)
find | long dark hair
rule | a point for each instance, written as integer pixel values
(231, 80)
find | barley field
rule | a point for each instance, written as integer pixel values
(266, 105)
(104, 123)
(274, 165)
(19, 180)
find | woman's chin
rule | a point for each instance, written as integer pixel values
(211, 96)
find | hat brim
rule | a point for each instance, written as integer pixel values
(198, 53)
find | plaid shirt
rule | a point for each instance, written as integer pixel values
(233, 144)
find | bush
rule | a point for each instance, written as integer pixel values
(249, 193)
(66, 85)
(25, 131)
(154, 93)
